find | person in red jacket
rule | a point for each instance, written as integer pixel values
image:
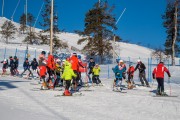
(130, 73)
(42, 74)
(158, 73)
(75, 65)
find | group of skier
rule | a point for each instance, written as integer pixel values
(67, 72)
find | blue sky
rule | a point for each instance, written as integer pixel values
(141, 22)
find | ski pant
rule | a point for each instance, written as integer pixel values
(68, 84)
(80, 79)
(3, 71)
(118, 82)
(130, 79)
(26, 70)
(12, 71)
(75, 79)
(160, 87)
(96, 79)
(142, 77)
(89, 73)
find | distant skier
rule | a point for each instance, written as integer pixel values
(118, 70)
(68, 75)
(96, 71)
(158, 74)
(90, 67)
(16, 62)
(130, 73)
(12, 66)
(142, 74)
(5, 66)
(26, 66)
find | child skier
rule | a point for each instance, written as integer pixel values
(96, 70)
(58, 71)
(118, 70)
(158, 73)
(5, 66)
(43, 73)
(68, 75)
(130, 73)
(12, 66)
(26, 66)
(16, 62)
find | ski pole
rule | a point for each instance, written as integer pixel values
(169, 86)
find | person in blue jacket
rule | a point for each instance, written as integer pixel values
(26, 66)
(118, 71)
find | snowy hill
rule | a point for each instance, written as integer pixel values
(122, 49)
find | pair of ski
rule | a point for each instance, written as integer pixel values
(72, 95)
(166, 95)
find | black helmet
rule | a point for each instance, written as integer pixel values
(10, 57)
(34, 59)
(15, 57)
(43, 52)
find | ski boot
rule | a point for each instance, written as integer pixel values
(67, 93)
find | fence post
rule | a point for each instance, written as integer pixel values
(148, 70)
(108, 72)
(35, 53)
(168, 64)
(5, 53)
(16, 52)
(151, 69)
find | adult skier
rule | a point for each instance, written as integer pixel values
(158, 74)
(142, 74)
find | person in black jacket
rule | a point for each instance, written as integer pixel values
(26, 66)
(90, 67)
(16, 62)
(12, 66)
(142, 74)
(34, 64)
(5, 66)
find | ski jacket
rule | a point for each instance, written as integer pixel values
(26, 65)
(118, 70)
(141, 67)
(58, 69)
(50, 63)
(11, 63)
(91, 65)
(68, 73)
(131, 71)
(42, 71)
(74, 62)
(34, 65)
(96, 70)
(158, 72)
(5, 64)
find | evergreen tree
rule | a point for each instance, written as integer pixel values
(171, 23)
(8, 29)
(46, 15)
(22, 23)
(99, 23)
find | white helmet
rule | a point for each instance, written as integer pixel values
(139, 60)
(121, 61)
(4, 60)
(58, 60)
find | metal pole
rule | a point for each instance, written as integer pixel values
(2, 8)
(51, 32)
(114, 48)
(26, 12)
(5, 53)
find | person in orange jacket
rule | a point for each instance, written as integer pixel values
(75, 65)
(130, 73)
(43, 73)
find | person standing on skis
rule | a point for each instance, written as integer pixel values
(5, 66)
(26, 66)
(158, 74)
(130, 73)
(16, 62)
(142, 74)
(90, 67)
(12, 66)
(68, 75)
(118, 70)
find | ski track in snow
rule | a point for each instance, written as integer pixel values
(100, 104)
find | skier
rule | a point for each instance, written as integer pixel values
(118, 70)
(122, 64)
(5, 66)
(41, 57)
(43, 73)
(90, 67)
(34, 65)
(12, 66)
(80, 66)
(58, 71)
(50, 69)
(16, 62)
(96, 71)
(130, 73)
(75, 65)
(68, 75)
(26, 66)
(142, 74)
(158, 74)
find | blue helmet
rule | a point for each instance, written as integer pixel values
(79, 56)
